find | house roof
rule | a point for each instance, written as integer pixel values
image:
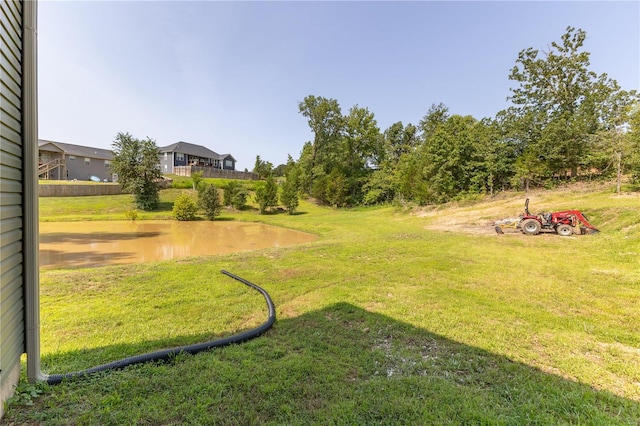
(106, 154)
(77, 150)
(225, 156)
(192, 149)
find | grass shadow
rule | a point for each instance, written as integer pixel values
(283, 211)
(93, 237)
(225, 219)
(164, 206)
(248, 208)
(85, 259)
(338, 365)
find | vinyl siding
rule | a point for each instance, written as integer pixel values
(12, 341)
(78, 169)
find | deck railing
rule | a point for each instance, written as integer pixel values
(210, 172)
(45, 168)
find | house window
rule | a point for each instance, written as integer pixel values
(179, 156)
(87, 161)
(72, 158)
(166, 167)
(107, 163)
(228, 163)
(165, 156)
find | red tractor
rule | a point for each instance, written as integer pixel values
(564, 223)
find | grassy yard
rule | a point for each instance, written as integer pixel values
(391, 317)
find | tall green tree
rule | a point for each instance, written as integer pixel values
(262, 168)
(397, 141)
(557, 104)
(450, 158)
(410, 180)
(436, 116)
(613, 152)
(280, 170)
(498, 156)
(325, 119)
(136, 164)
(360, 144)
(633, 136)
(347, 147)
(305, 177)
(457, 155)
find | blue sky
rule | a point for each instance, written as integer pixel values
(230, 75)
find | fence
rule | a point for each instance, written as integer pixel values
(210, 172)
(45, 190)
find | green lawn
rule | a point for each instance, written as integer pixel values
(387, 319)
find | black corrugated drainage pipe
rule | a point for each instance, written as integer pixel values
(165, 354)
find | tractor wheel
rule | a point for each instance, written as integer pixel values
(531, 227)
(564, 230)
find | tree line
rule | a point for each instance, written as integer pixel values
(564, 122)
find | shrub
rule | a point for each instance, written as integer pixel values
(239, 198)
(336, 189)
(146, 195)
(229, 189)
(267, 195)
(184, 208)
(131, 214)
(235, 195)
(289, 195)
(209, 201)
(196, 179)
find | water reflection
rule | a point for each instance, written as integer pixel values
(87, 244)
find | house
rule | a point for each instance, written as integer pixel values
(184, 154)
(19, 273)
(65, 161)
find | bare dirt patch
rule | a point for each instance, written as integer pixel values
(477, 218)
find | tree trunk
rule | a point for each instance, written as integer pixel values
(619, 183)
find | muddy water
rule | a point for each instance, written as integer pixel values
(87, 244)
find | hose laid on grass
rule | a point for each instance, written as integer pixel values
(165, 354)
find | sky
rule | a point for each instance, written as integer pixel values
(230, 75)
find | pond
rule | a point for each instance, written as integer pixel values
(89, 244)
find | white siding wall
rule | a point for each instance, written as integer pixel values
(12, 341)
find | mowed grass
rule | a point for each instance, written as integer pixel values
(389, 318)
(107, 207)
